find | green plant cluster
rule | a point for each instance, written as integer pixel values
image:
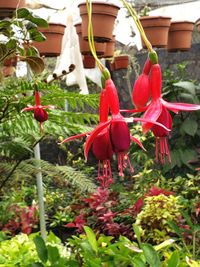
(154, 217)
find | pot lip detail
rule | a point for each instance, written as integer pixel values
(154, 17)
(182, 21)
(100, 3)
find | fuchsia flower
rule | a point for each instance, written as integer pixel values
(141, 89)
(110, 136)
(40, 113)
(157, 111)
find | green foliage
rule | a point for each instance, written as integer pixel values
(25, 23)
(154, 217)
(178, 87)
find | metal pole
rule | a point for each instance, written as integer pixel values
(40, 193)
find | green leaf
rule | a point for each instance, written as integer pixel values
(188, 86)
(3, 50)
(53, 254)
(35, 35)
(32, 51)
(11, 44)
(138, 262)
(151, 255)
(41, 248)
(23, 13)
(137, 233)
(91, 238)
(174, 259)
(36, 64)
(26, 14)
(187, 155)
(190, 126)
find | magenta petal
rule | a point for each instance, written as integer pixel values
(92, 135)
(73, 137)
(152, 113)
(175, 107)
(28, 108)
(135, 140)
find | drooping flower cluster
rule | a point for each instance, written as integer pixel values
(157, 109)
(40, 113)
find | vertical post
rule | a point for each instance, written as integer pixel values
(40, 193)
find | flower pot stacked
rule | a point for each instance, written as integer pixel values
(180, 36)
(51, 47)
(110, 48)
(84, 45)
(7, 7)
(89, 62)
(156, 29)
(103, 19)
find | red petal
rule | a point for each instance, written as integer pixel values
(28, 108)
(155, 122)
(112, 96)
(37, 98)
(152, 114)
(73, 137)
(92, 135)
(175, 107)
(135, 110)
(104, 107)
(135, 140)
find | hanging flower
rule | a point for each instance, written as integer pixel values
(40, 113)
(141, 89)
(157, 111)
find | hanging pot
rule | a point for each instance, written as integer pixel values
(180, 35)
(89, 62)
(121, 62)
(51, 47)
(103, 19)
(7, 7)
(84, 45)
(110, 48)
(156, 29)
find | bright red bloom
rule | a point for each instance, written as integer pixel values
(157, 111)
(141, 89)
(102, 147)
(39, 113)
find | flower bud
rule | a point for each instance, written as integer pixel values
(40, 114)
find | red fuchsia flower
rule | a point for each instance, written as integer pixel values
(102, 147)
(157, 111)
(141, 89)
(40, 113)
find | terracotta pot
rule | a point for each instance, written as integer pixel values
(84, 45)
(180, 35)
(51, 47)
(89, 62)
(156, 29)
(7, 7)
(121, 62)
(103, 19)
(110, 48)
